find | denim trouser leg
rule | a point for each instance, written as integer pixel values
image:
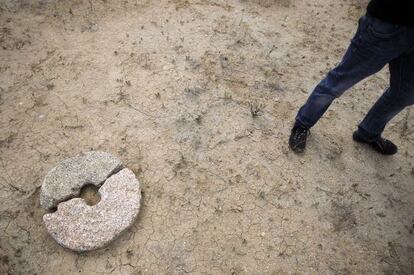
(375, 44)
(399, 95)
(352, 69)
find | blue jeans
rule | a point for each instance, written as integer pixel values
(375, 44)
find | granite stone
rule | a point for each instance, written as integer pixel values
(80, 227)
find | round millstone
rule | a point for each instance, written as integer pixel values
(81, 227)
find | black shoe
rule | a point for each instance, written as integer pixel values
(381, 145)
(297, 140)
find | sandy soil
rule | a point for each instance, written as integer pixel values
(197, 97)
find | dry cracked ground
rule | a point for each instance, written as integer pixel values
(197, 98)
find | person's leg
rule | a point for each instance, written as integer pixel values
(361, 60)
(399, 95)
(349, 72)
(357, 64)
(374, 45)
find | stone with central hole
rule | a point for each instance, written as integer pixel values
(94, 213)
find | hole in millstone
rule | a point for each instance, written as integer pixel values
(89, 193)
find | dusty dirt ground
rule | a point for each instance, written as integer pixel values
(198, 97)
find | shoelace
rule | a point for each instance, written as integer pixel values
(301, 133)
(381, 143)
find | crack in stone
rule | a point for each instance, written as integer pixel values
(78, 192)
(65, 181)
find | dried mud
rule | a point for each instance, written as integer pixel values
(197, 98)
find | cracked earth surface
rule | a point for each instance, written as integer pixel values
(197, 98)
